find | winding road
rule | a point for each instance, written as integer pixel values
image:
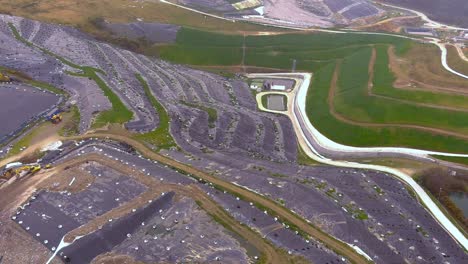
(443, 57)
(322, 149)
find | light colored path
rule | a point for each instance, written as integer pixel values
(460, 52)
(310, 139)
(443, 57)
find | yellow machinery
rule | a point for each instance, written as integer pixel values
(4, 78)
(28, 169)
(57, 118)
(22, 170)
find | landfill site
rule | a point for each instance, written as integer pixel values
(219, 195)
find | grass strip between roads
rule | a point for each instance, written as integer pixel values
(318, 112)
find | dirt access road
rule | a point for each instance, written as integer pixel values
(281, 212)
(155, 187)
(270, 253)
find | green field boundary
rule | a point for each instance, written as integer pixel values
(384, 79)
(352, 101)
(319, 113)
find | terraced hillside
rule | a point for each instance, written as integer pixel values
(370, 81)
(210, 136)
(233, 130)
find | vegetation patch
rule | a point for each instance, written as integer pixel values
(384, 79)
(161, 136)
(278, 175)
(357, 213)
(119, 113)
(27, 79)
(304, 159)
(71, 126)
(317, 109)
(454, 60)
(212, 113)
(352, 102)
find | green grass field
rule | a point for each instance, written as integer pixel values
(318, 112)
(383, 85)
(352, 101)
(319, 53)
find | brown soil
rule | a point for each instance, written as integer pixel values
(112, 258)
(80, 13)
(18, 192)
(60, 181)
(421, 67)
(22, 189)
(42, 135)
(19, 247)
(401, 85)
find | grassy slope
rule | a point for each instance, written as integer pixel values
(384, 79)
(353, 102)
(455, 62)
(453, 159)
(204, 48)
(318, 111)
(212, 112)
(119, 113)
(161, 136)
